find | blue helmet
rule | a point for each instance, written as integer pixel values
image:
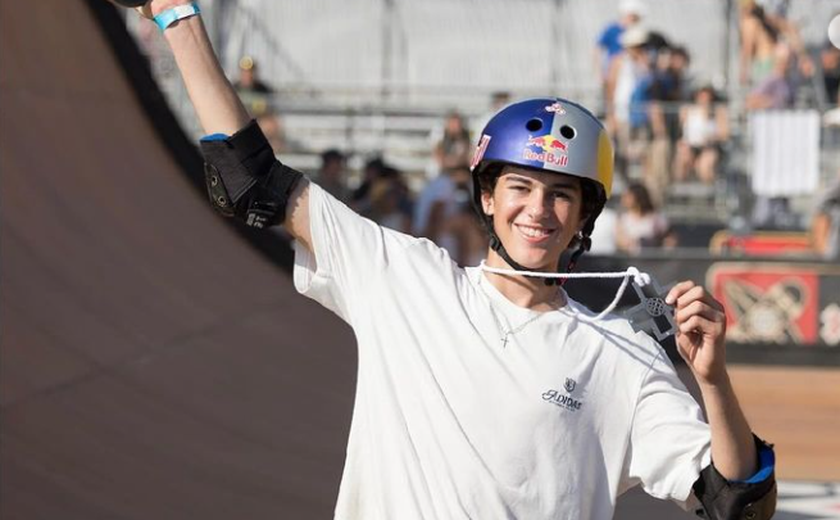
(547, 134)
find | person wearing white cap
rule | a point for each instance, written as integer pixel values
(627, 71)
(609, 41)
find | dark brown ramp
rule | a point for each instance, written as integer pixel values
(154, 365)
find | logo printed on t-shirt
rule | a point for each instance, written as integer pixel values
(563, 400)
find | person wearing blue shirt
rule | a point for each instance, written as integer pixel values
(609, 41)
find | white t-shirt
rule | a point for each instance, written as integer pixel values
(448, 424)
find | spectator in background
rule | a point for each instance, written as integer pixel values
(451, 221)
(454, 147)
(830, 65)
(436, 203)
(440, 199)
(671, 74)
(825, 225)
(386, 205)
(678, 69)
(331, 174)
(775, 91)
(381, 186)
(256, 96)
(640, 225)
(629, 83)
(705, 127)
(665, 91)
(766, 56)
(758, 45)
(249, 81)
(498, 100)
(609, 41)
(776, 13)
(360, 198)
(440, 212)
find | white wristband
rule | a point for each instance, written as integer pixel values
(179, 12)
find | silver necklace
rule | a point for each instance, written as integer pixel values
(507, 333)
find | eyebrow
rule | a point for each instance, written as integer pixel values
(560, 183)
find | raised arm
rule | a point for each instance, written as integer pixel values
(741, 479)
(216, 102)
(219, 108)
(700, 339)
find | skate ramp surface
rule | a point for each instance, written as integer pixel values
(154, 364)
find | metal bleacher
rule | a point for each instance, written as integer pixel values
(375, 77)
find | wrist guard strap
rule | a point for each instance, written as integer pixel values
(245, 180)
(750, 500)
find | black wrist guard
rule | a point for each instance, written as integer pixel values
(245, 180)
(725, 500)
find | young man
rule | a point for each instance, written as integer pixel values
(491, 395)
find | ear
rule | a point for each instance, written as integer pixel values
(487, 203)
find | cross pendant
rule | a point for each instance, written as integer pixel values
(505, 340)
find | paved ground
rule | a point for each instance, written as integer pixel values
(808, 500)
(798, 409)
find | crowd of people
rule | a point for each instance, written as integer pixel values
(668, 129)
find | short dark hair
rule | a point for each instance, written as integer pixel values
(681, 51)
(331, 155)
(642, 196)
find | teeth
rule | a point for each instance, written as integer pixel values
(534, 232)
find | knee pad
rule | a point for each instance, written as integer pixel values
(245, 180)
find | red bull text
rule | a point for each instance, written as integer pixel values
(551, 150)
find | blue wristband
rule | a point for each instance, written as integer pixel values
(179, 12)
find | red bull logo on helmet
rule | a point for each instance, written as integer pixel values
(556, 107)
(546, 149)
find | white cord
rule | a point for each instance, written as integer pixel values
(641, 279)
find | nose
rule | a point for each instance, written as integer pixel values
(538, 204)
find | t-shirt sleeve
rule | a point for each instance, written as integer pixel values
(349, 253)
(670, 442)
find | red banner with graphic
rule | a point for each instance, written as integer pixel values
(778, 303)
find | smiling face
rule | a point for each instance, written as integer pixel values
(535, 215)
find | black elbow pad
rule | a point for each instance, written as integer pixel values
(725, 500)
(245, 180)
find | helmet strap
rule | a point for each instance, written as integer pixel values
(496, 245)
(584, 244)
